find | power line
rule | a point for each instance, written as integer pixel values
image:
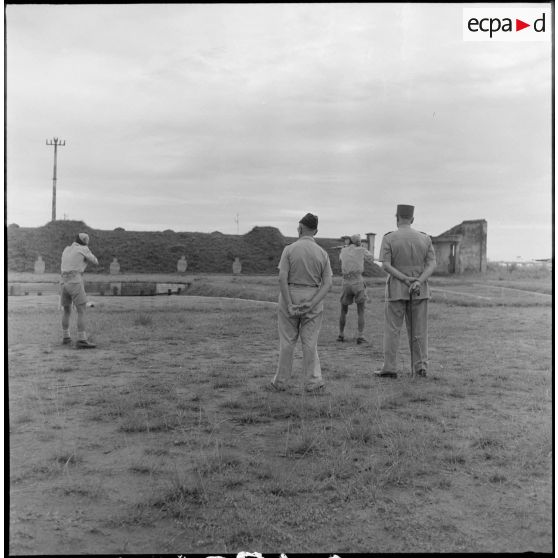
(56, 142)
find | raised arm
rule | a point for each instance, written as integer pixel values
(368, 257)
(88, 255)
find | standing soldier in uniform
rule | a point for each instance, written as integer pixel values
(74, 262)
(305, 278)
(352, 259)
(409, 259)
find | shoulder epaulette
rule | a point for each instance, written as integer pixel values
(388, 233)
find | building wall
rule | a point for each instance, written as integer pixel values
(472, 249)
(469, 239)
(443, 251)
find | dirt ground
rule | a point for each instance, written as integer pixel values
(163, 439)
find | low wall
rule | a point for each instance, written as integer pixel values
(102, 288)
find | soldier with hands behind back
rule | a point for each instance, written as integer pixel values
(409, 259)
(305, 278)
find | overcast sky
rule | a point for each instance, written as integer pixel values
(182, 116)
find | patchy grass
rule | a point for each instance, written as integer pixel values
(163, 438)
(143, 319)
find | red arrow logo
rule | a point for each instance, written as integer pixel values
(519, 25)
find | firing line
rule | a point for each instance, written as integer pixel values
(514, 289)
(462, 294)
(208, 298)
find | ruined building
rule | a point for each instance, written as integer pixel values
(462, 248)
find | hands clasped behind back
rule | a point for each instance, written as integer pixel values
(301, 303)
(298, 310)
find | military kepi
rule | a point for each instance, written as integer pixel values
(310, 221)
(406, 211)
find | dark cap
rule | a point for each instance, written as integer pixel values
(406, 211)
(310, 221)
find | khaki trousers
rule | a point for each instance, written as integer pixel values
(306, 327)
(394, 313)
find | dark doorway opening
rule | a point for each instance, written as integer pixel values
(451, 266)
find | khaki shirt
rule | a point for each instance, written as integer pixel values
(352, 260)
(75, 258)
(409, 251)
(305, 262)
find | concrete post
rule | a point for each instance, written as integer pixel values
(371, 239)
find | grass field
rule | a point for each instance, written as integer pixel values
(163, 439)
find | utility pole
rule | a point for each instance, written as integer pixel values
(236, 219)
(56, 142)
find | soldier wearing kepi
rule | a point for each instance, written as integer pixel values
(74, 261)
(352, 259)
(409, 259)
(305, 278)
